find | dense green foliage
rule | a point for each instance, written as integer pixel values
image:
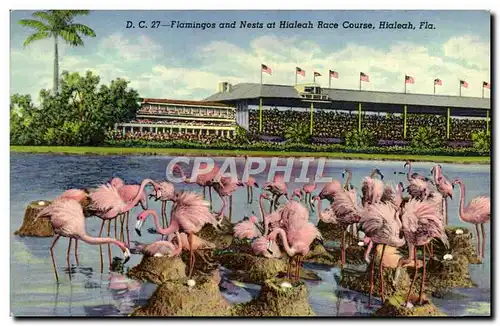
(79, 114)
(294, 147)
(426, 137)
(481, 141)
(57, 24)
(360, 139)
(333, 124)
(297, 132)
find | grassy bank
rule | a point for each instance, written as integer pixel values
(61, 150)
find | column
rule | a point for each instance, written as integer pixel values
(488, 122)
(404, 121)
(448, 124)
(260, 114)
(359, 117)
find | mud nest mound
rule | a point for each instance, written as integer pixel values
(158, 270)
(461, 244)
(177, 298)
(39, 228)
(330, 231)
(221, 238)
(275, 300)
(445, 274)
(320, 255)
(394, 306)
(360, 281)
(250, 268)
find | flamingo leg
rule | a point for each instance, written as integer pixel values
(67, 257)
(421, 296)
(343, 248)
(52, 256)
(191, 252)
(414, 276)
(127, 229)
(483, 240)
(381, 268)
(100, 246)
(372, 268)
(109, 246)
(116, 232)
(210, 195)
(122, 217)
(230, 207)
(204, 192)
(163, 213)
(478, 241)
(251, 195)
(76, 252)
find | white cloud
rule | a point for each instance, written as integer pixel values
(139, 60)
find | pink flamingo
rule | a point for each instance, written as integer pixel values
(329, 190)
(108, 204)
(277, 188)
(165, 192)
(347, 212)
(67, 219)
(418, 189)
(297, 193)
(196, 247)
(203, 180)
(381, 225)
(415, 175)
(308, 190)
(421, 222)
(445, 188)
(163, 249)
(296, 240)
(477, 212)
(354, 195)
(128, 193)
(249, 184)
(328, 215)
(224, 187)
(189, 214)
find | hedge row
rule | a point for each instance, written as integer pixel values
(290, 147)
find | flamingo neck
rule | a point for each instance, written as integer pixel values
(95, 241)
(134, 202)
(408, 175)
(462, 201)
(373, 174)
(319, 208)
(263, 217)
(348, 180)
(173, 227)
(368, 250)
(178, 249)
(278, 231)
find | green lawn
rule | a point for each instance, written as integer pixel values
(217, 152)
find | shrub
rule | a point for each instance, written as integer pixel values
(359, 139)
(297, 132)
(425, 138)
(481, 141)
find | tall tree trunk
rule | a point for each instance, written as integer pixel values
(55, 87)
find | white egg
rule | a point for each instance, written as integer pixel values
(286, 285)
(459, 231)
(191, 283)
(158, 254)
(361, 243)
(41, 203)
(447, 257)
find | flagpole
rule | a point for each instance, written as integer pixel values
(359, 81)
(314, 78)
(434, 87)
(405, 84)
(482, 91)
(295, 76)
(459, 88)
(329, 80)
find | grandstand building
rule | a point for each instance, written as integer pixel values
(313, 98)
(186, 117)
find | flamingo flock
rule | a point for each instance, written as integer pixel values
(379, 211)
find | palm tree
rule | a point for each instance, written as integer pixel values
(55, 24)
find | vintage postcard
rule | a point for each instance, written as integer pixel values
(250, 163)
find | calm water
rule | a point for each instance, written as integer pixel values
(34, 291)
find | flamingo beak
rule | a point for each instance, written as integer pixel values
(406, 164)
(343, 175)
(138, 226)
(126, 255)
(269, 243)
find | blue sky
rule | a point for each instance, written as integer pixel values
(188, 63)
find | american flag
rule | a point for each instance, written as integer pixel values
(409, 79)
(300, 71)
(334, 74)
(486, 85)
(266, 69)
(463, 83)
(438, 81)
(364, 77)
(317, 74)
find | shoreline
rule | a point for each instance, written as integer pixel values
(135, 151)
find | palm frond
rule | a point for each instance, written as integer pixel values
(71, 37)
(45, 15)
(36, 37)
(85, 30)
(36, 24)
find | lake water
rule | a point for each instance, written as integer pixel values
(34, 291)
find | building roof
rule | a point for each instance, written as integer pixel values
(184, 102)
(254, 90)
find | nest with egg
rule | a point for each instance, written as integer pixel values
(33, 227)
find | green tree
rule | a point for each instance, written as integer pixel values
(297, 132)
(360, 139)
(481, 141)
(57, 24)
(80, 114)
(425, 138)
